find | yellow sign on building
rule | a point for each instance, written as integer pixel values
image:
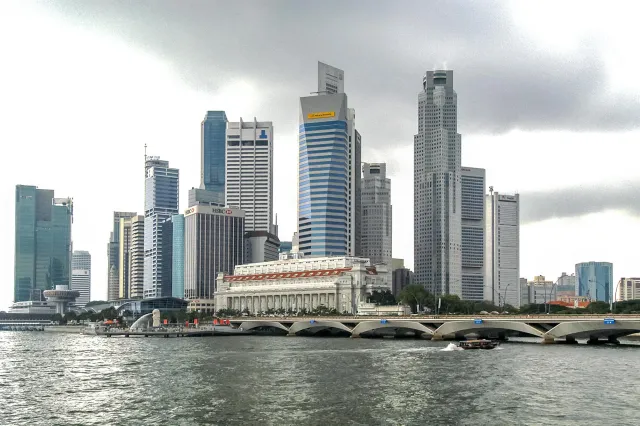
(326, 114)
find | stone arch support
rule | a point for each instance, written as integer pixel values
(366, 326)
(470, 326)
(248, 325)
(596, 328)
(306, 325)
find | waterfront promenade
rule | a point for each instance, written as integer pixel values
(549, 328)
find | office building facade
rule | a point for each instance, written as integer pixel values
(212, 155)
(628, 289)
(376, 217)
(473, 225)
(260, 246)
(136, 256)
(249, 172)
(502, 249)
(167, 257)
(328, 174)
(213, 242)
(43, 244)
(124, 260)
(177, 277)
(161, 202)
(595, 280)
(400, 278)
(566, 285)
(81, 276)
(437, 187)
(113, 256)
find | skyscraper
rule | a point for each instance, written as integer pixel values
(329, 170)
(161, 201)
(595, 280)
(249, 172)
(212, 156)
(43, 244)
(113, 256)
(473, 225)
(81, 276)
(177, 269)
(437, 187)
(502, 249)
(124, 258)
(136, 256)
(376, 235)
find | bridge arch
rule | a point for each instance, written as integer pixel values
(308, 325)
(366, 326)
(595, 328)
(248, 325)
(469, 326)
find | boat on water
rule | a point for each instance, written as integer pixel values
(478, 344)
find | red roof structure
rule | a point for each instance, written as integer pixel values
(297, 274)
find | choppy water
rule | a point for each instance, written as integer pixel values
(61, 379)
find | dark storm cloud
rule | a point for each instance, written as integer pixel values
(578, 201)
(503, 81)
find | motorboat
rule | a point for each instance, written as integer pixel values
(478, 344)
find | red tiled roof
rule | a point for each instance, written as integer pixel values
(298, 274)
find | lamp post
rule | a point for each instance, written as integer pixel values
(504, 299)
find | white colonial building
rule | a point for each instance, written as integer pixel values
(304, 283)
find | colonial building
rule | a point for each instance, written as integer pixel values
(304, 283)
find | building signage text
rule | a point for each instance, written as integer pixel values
(326, 114)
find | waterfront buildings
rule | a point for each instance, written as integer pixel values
(113, 256)
(400, 278)
(81, 276)
(340, 283)
(502, 249)
(161, 201)
(473, 228)
(136, 256)
(212, 155)
(214, 242)
(329, 170)
(177, 270)
(43, 243)
(249, 172)
(167, 257)
(203, 197)
(628, 289)
(595, 280)
(376, 216)
(437, 187)
(541, 291)
(260, 246)
(285, 247)
(566, 285)
(124, 260)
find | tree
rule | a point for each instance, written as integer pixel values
(414, 296)
(70, 316)
(57, 318)
(382, 298)
(108, 314)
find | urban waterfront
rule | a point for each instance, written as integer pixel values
(63, 379)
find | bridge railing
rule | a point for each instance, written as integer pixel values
(506, 317)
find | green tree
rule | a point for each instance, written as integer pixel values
(414, 295)
(57, 318)
(382, 298)
(70, 316)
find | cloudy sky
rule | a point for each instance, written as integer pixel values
(548, 95)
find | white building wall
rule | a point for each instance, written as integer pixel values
(81, 276)
(473, 230)
(136, 257)
(249, 172)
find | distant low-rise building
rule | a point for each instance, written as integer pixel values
(541, 291)
(566, 285)
(628, 289)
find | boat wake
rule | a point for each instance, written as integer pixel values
(451, 347)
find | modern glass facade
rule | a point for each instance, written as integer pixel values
(42, 242)
(323, 179)
(595, 280)
(177, 285)
(213, 142)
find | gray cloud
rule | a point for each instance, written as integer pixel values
(503, 82)
(578, 201)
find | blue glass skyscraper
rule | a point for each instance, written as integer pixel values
(177, 287)
(212, 157)
(595, 280)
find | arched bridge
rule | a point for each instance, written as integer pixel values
(546, 327)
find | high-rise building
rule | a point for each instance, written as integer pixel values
(400, 278)
(213, 243)
(330, 79)
(376, 216)
(260, 246)
(177, 270)
(473, 224)
(328, 171)
(541, 291)
(502, 249)
(628, 289)
(437, 187)
(43, 243)
(167, 257)
(81, 276)
(595, 280)
(136, 256)
(249, 172)
(212, 155)
(566, 286)
(161, 201)
(203, 197)
(124, 261)
(113, 256)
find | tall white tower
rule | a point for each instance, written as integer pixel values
(473, 227)
(249, 172)
(437, 187)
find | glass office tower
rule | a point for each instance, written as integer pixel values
(212, 157)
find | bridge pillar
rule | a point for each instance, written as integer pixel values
(434, 337)
(571, 340)
(547, 340)
(593, 340)
(614, 340)
(502, 336)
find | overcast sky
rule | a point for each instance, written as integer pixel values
(548, 95)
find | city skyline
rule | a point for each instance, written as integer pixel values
(523, 131)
